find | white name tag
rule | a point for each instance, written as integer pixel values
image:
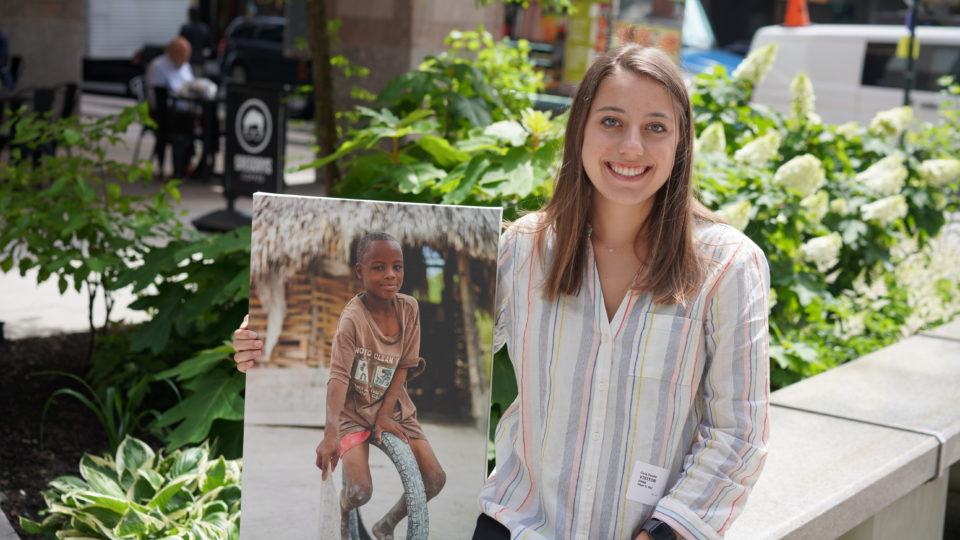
(647, 483)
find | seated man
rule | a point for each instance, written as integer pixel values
(171, 70)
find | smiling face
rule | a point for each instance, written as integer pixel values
(630, 140)
(381, 269)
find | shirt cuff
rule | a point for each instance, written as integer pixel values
(685, 523)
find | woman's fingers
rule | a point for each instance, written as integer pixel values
(247, 345)
(244, 335)
(246, 321)
(248, 356)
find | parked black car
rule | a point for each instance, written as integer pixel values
(252, 51)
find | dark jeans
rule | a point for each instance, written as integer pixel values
(490, 529)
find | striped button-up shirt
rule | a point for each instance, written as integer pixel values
(609, 407)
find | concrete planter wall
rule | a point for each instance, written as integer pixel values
(865, 450)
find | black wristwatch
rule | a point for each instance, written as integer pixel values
(659, 530)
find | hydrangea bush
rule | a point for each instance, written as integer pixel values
(851, 217)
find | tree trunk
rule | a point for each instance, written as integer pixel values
(325, 127)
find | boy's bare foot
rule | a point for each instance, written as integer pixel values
(383, 529)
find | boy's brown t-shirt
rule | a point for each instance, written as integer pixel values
(365, 360)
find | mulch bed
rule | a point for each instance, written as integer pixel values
(69, 428)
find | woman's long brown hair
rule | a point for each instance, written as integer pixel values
(674, 268)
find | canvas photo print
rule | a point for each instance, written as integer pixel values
(369, 411)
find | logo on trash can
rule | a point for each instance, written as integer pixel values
(254, 125)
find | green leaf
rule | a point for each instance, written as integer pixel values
(199, 364)
(472, 109)
(100, 480)
(215, 475)
(189, 461)
(30, 526)
(215, 395)
(442, 151)
(131, 525)
(118, 504)
(152, 477)
(475, 169)
(416, 177)
(134, 455)
(160, 500)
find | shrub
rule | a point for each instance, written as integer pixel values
(137, 493)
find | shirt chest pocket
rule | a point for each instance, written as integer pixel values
(669, 348)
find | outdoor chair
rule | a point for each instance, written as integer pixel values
(173, 127)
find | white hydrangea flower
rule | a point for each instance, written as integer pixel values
(712, 140)
(823, 251)
(885, 210)
(804, 100)
(838, 206)
(891, 122)
(849, 129)
(737, 214)
(756, 65)
(885, 177)
(802, 175)
(759, 151)
(927, 275)
(816, 206)
(940, 172)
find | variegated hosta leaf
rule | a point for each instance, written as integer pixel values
(177, 497)
(214, 476)
(133, 455)
(188, 461)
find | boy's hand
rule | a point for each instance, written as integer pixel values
(328, 453)
(247, 347)
(385, 423)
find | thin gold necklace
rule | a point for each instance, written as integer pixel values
(610, 249)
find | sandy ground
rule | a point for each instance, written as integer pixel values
(281, 484)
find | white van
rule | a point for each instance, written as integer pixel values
(855, 69)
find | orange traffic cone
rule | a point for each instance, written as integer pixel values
(796, 13)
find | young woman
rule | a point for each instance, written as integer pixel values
(637, 327)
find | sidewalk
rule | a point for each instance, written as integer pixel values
(28, 309)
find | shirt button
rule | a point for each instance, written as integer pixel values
(595, 436)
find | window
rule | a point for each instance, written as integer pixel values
(272, 33)
(881, 67)
(244, 31)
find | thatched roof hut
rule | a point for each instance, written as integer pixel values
(301, 278)
(292, 231)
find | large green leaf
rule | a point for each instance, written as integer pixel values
(199, 364)
(215, 395)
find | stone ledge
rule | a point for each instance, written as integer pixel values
(858, 439)
(825, 475)
(911, 385)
